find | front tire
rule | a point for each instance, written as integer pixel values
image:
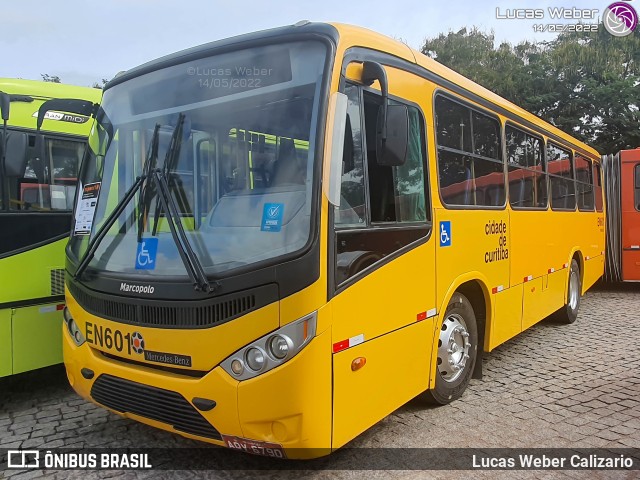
(457, 351)
(569, 312)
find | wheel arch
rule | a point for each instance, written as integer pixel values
(576, 254)
(473, 285)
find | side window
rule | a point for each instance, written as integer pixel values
(527, 176)
(382, 209)
(584, 183)
(47, 184)
(598, 186)
(636, 185)
(561, 178)
(470, 168)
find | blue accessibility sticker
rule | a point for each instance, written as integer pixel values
(445, 233)
(272, 217)
(146, 254)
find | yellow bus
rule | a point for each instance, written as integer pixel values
(285, 236)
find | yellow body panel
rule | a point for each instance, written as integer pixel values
(507, 317)
(391, 315)
(396, 370)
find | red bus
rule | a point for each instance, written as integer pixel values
(622, 187)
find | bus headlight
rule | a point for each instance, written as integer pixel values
(272, 350)
(279, 346)
(74, 331)
(256, 359)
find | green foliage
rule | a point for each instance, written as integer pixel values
(587, 84)
(100, 86)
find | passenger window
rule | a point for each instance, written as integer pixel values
(527, 176)
(47, 184)
(470, 167)
(561, 177)
(382, 209)
(598, 186)
(584, 183)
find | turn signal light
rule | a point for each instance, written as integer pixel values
(358, 363)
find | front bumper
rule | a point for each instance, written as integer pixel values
(289, 406)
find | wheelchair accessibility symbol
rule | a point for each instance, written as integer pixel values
(445, 234)
(146, 254)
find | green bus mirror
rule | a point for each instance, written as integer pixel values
(16, 154)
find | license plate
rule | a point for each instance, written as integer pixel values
(254, 447)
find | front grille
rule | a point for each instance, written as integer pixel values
(168, 314)
(154, 403)
(57, 281)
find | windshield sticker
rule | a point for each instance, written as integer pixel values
(86, 209)
(272, 217)
(146, 254)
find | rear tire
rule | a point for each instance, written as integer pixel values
(457, 351)
(569, 312)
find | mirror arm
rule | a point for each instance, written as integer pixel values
(372, 71)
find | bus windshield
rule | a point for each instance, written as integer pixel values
(233, 135)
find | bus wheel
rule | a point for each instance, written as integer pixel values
(457, 351)
(569, 312)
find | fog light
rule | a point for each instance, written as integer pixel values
(279, 347)
(237, 367)
(255, 359)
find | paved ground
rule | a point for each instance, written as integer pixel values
(553, 386)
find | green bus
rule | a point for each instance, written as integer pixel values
(41, 148)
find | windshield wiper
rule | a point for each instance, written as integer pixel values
(167, 202)
(146, 194)
(171, 158)
(120, 206)
(156, 176)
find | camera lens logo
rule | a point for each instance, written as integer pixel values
(620, 19)
(137, 342)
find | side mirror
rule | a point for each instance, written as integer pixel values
(392, 131)
(5, 102)
(392, 152)
(16, 154)
(69, 105)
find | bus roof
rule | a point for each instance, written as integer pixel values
(47, 90)
(352, 36)
(355, 36)
(30, 94)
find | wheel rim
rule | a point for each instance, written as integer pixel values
(574, 290)
(453, 348)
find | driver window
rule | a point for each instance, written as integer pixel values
(382, 209)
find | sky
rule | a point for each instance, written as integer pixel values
(84, 41)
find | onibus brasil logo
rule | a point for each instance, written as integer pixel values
(620, 19)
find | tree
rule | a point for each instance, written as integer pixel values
(100, 85)
(50, 78)
(586, 84)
